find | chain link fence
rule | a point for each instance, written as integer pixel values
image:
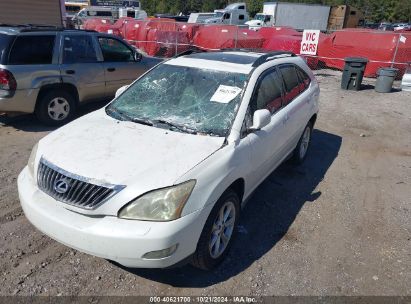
(167, 38)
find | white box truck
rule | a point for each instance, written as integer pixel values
(297, 15)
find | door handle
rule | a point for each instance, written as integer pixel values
(286, 118)
(111, 69)
(71, 72)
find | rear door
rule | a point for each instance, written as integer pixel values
(120, 67)
(296, 101)
(81, 66)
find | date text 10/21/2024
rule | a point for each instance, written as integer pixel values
(203, 299)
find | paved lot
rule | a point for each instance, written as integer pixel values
(340, 224)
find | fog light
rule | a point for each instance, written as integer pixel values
(159, 254)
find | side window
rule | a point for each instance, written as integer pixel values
(291, 82)
(269, 93)
(114, 50)
(32, 50)
(103, 14)
(241, 17)
(78, 49)
(304, 79)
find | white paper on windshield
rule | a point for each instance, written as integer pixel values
(225, 94)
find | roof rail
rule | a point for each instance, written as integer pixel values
(40, 29)
(57, 29)
(25, 25)
(189, 52)
(235, 50)
(272, 55)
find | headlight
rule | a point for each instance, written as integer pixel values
(32, 159)
(159, 205)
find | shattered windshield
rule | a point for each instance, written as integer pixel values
(184, 99)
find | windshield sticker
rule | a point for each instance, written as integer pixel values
(225, 94)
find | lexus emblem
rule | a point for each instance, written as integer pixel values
(61, 186)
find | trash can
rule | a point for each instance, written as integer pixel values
(385, 79)
(353, 73)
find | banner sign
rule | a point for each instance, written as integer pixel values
(119, 3)
(309, 44)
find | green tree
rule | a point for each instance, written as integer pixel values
(374, 10)
(254, 6)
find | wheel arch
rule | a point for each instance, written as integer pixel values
(238, 186)
(313, 119)
(58, 86)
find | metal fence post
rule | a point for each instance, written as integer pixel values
(396, 50)
(125, 31)
(236, 36)
(176, 31)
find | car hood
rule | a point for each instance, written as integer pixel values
(99, 147)
(254, 22)
(213, 20)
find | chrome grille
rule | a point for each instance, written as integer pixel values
(73, 189)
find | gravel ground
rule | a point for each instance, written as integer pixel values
(337, 225)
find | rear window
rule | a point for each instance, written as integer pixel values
(78, 49)
(32, 50)
(304, 79)
(4, 45)
(99, 13)
(292, 84)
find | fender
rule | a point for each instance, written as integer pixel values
(39, 82)
(224, 167)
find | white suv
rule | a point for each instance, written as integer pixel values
(159, 175)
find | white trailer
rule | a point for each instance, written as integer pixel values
(297, 15)
(235, 13)
(199, 17)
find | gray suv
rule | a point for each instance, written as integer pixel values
(50, 72)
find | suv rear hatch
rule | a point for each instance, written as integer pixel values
(5, 43)
(7, 81)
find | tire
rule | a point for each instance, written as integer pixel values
(63, 103)
(300, 151)
(207, 256)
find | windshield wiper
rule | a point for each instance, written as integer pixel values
(123, 116)
(116, 114)
(142, 121)
(181, 128)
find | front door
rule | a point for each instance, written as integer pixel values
(267, 144)
(120, 67)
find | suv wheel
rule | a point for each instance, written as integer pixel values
(300, 151)
(218, 232)
(55, 107)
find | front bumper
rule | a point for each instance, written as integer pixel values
(23, 101)
(123, 241)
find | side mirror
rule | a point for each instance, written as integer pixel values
(137, 56)
(121, 90)
(261, 118)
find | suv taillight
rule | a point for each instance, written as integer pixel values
(7, 81)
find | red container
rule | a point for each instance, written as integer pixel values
(377, 46)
